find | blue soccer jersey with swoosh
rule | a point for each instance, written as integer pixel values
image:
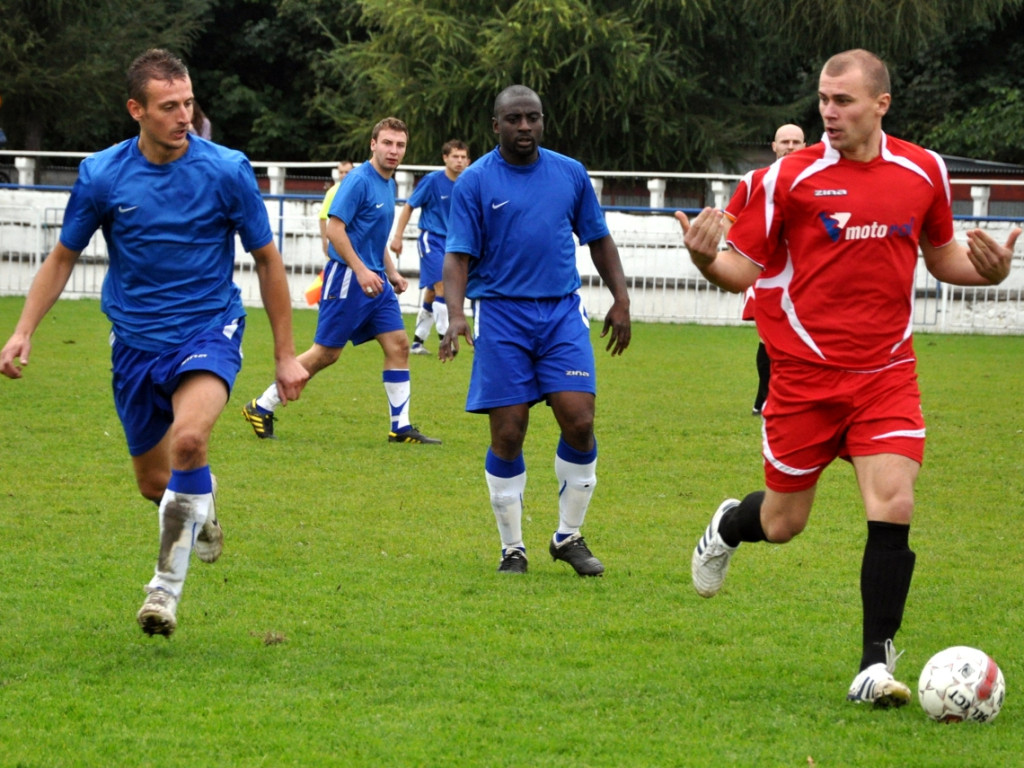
(516, 223)
(170, 232)
(433, 196)
(366, 203)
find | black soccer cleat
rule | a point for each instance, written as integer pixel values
(513, 561)
(412, 435)
(576, 553)
(262, 421)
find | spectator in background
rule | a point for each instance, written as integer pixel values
(344, 166)
(201, 125)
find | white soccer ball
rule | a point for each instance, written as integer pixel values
(961, 683)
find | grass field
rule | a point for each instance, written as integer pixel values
(356, 618)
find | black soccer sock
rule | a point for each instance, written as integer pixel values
(884, 584)
(743, 523)
(764, 372)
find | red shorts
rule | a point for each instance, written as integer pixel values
(814, 415)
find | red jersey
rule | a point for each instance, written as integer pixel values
(737, 203)
(838, 244)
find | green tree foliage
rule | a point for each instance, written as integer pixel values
(252, 73)
(667, 84)
(677, 85)
(964, 94)
(63, 63)
(621, 84)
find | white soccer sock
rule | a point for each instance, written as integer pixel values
(398, 387)
(440, 317)
(424, 320)
(507, 503)
(181, 517)
(270, 399)
(576, 487)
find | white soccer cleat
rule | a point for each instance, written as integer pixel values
(710, 560)
(876, 685)
(210, 541)
(157, 614)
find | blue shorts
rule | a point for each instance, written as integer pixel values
(525, 349)
(348, 314)
(144, 382)
(431, 248)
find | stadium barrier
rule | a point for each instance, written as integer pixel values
(664, 285)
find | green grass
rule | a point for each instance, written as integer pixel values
(356, 618)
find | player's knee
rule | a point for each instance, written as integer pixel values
(189, 447)
(780, 529)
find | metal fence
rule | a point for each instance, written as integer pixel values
(664, 285)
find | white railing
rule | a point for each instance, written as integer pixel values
(665, 287)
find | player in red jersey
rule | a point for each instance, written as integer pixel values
(835, 308)
(788, 138)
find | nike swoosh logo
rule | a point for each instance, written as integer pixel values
(444, 197)
(380, 205)
(496, 206)
(122, 209)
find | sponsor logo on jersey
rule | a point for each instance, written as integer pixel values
(830, 193)
(836, 226)
(584, 374)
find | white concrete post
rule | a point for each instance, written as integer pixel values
(598, 185)
(657, 189)
(980, 196)
(720, 193)
(276, 174)
(404, 180)
(26, 170)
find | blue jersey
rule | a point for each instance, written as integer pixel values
(170, 232)
(516, 224)
(433, 196)
(366, 203)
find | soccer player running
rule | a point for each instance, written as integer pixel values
(169, 204)
(511, 250)
(433, 195)
(788, 138)
(835, 309)
(359, 298)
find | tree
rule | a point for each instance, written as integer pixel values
(252, 72)
(666, 84)
(63, 63)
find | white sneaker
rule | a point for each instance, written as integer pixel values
(876, 684)
(710, 560)
(419, 349)
(210, 540)
(156, 616)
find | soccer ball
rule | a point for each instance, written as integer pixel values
(961, 683)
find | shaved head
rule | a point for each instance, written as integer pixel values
(876, 74)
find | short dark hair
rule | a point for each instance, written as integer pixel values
(154, 64)
(452, 144)
(876, 74)
(513, 92)
(389, 124)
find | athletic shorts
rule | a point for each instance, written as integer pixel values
(525, 349)
(814, 415)
(144, 382)
(431, 248)
(348, 314)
